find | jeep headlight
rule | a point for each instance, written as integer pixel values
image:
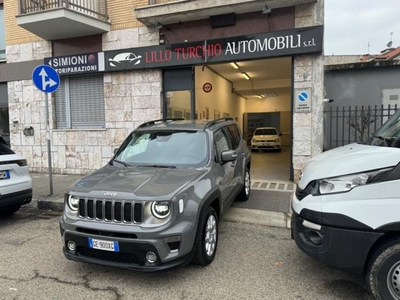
(160, 209)
(73, 202)
(348, 182)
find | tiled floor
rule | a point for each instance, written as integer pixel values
(270, 166)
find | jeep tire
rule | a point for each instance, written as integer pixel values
(245, 192)
(207, 238)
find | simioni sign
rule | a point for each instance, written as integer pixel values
(77, 63)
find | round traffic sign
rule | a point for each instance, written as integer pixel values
(46, 78)
(302, 96)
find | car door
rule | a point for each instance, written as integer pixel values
(225, 172)
(237, 146)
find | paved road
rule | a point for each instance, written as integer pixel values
(253, 262)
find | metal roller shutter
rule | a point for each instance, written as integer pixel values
(80, 103)
(60, 103)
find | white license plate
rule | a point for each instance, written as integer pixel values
(4, 174)
(103, 245)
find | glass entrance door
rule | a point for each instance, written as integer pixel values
(178, 104)
(178, 97)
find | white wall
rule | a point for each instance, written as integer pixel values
(220, 99)
(281, 102)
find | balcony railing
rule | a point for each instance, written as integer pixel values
(152, 2)
(93, 8)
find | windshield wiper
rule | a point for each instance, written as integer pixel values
(385, 139)
(122, 163)
(158, 166)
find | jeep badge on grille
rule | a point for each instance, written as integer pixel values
(110, 194)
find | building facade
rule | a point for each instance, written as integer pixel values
(125, 62)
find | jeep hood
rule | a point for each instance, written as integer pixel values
(349, 159)
(135, 182)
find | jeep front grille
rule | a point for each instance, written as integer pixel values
(111, 210)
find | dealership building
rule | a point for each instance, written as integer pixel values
(126, 62)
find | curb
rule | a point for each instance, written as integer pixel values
(259, 217)
(55, 205)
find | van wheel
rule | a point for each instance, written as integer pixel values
(383, 274)
(245, 192)
(9, 210)
(207, 238)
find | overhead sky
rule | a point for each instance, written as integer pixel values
(350, 25)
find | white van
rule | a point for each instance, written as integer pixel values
(346, 209)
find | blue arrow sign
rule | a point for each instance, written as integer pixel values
(46, 78)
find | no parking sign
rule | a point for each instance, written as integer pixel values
(302, 99)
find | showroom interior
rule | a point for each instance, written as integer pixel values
(255, 93)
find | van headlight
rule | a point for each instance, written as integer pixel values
(73, 202)
(160, 209)
(348, 182)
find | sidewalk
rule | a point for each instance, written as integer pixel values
(273, 209)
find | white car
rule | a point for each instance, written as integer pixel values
(266, 138)
(15, 182)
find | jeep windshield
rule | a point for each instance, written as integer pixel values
(163, 149)
(388, 135)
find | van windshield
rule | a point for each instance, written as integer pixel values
(388, 135)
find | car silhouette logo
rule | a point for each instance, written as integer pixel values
(124, 58)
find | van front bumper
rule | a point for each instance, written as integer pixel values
(340, 248)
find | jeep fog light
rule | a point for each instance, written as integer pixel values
(71, 246)
(160, 210)
(73, 202)
(151, 257)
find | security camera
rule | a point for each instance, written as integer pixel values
(327, 100)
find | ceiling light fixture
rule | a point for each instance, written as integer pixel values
(245, 76)
(234, 65)
(266, 10)
(158, 25)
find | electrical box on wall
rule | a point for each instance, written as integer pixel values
(29, 131)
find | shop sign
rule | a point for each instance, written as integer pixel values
(297, 41)
(77, 64)
(255, 46)
(303, 100)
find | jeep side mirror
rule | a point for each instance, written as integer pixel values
(228, 155)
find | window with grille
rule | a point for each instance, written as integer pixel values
(79, 103)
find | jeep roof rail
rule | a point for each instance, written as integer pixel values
(159, 120)
(213, 122)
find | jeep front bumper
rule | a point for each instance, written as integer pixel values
(172, 247)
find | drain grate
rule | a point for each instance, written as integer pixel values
(277, 186)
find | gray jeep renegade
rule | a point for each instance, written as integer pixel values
(157, 203)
